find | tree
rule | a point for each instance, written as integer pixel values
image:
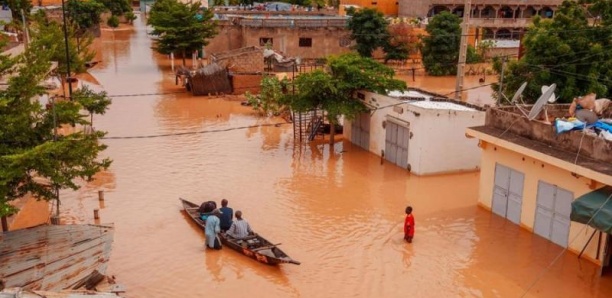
(400, 42)
(565, 50)
(117, 7)
(30, 150)
(334, 91)
(368, 29)
(272, 98)
(113, 21)
(84, 14)
(441, 47)
(16, 6)
(48, 37)
(181, 27)
(93, 102)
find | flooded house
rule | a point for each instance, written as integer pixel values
(295, 34)
(552, 183)
(413, 130)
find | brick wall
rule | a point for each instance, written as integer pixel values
(243, 83)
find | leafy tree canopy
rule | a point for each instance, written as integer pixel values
(441, 47)
(85, 14)
(335, 90)
(117, 7)
(33, 159)
(565, 50)
(48, 36)
(368, 29)
(16, 6)
(181, 27)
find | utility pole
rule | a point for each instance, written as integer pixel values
(501, 81)
(465, 28)
(67, 52)
(26, 34)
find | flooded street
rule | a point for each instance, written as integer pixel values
(339, 212)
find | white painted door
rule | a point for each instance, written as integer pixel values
(552, 217)
(508, 193)
(360, 131)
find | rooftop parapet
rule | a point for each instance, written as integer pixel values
(510, 119)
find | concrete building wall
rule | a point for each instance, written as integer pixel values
(413, 8)
(444, 145)
(534, 171)
(437, 143)
(228, 38)
(387, 7)
(325, 41)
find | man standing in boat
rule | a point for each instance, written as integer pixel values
(212, 230)
(227, 215)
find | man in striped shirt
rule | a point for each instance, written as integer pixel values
(240, 228)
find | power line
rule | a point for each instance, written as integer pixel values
(194, 132)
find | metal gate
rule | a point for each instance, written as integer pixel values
(552, 217)
(360, 131)
(508, 193)
(396, 144)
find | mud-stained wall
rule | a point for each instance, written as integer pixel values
(228, 38)
(413, 8)
(324, 41)
(534, 171)
(241, 60)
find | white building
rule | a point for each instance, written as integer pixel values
(420, 131)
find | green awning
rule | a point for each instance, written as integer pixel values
(585, 207)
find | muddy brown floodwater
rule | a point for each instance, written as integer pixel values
(338, 211)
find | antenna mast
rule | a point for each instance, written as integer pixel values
(465, 28)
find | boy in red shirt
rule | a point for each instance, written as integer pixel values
(409, 225)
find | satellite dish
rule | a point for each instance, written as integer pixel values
(552, 98)
(539, 104)
(518, 93)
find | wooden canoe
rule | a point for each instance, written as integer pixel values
(255, 247)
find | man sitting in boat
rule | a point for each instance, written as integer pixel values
(240, 228)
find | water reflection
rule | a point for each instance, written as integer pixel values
(336, 209)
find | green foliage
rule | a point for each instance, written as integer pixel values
(113, 21)
(16, 6)
(368, 29)
(93, 102)
(130, 17)
(567, 51)
(181, 27)
(271, 100)
(473, 56)
(441, 48)
(48, 37)
(29, 152)
(84, 14)
(117, 7)
(334, 91)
